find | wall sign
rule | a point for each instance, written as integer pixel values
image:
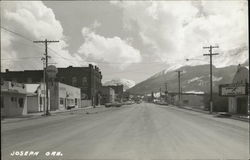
(231, 90)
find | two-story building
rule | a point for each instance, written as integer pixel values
(88, 79)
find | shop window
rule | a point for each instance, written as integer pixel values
(76, 101)
(185, 101)
(61, 101)
(29, 80)
(2, 102)
(41, 100)
(20, 102)
(84, 81)
(13, 99)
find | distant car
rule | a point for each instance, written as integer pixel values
(108, 105)
(223, 114)
(70, 107)
(117, 104)
(114, 104)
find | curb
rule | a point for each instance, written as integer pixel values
(205, 112)
(240, 119)
(52, 114)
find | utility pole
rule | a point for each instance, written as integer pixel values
(179, 82)
(166, 92)
(46, 75)
(160, 93)
(211, 54)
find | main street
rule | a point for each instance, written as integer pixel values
(138, 131)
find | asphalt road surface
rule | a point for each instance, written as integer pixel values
(140, 131)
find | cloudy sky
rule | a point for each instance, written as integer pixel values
(131, 40)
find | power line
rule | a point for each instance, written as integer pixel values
(18, 34)
(20, 58)
(73, 60)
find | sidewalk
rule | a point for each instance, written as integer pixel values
(87, 110)
(232, 116)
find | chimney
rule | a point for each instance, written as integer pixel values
(90, 66)
(6, 70)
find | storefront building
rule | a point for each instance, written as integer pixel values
(36, 97)
(13, 99)
(64, 96)
(238, 104)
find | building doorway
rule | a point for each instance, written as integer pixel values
(242, 105)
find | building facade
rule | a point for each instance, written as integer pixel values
(107, 95)
(36, 97)
(13, 99)
(88, 79)
(118, 92)
(239, 104)
(64, 96)
(187, 99)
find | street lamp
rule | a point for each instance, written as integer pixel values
(188, 59)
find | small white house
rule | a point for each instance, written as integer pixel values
(36, 97)
(13, 99)
(64, 96)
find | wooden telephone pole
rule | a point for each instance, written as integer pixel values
(179, 85)
(211, 54)
(46, 76)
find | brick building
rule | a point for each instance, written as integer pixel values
(88, 79)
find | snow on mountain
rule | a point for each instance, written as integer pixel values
(121, 81)
(169, 69)
(172, 68)
(195, 92)
(217, 78)
(195, 78)
(231, 57)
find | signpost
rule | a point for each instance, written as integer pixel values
(51, 72)
(231, 90)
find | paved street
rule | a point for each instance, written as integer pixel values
(139, 131)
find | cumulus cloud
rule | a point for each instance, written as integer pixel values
(36, 22)
(111, 50)
(176, 30)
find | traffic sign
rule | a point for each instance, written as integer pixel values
(51, 71)
(231, 90)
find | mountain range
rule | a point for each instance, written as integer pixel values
(193, 79)
(120, 81)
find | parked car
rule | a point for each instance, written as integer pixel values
(114, 104)
(108, 105)
(70, 107)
